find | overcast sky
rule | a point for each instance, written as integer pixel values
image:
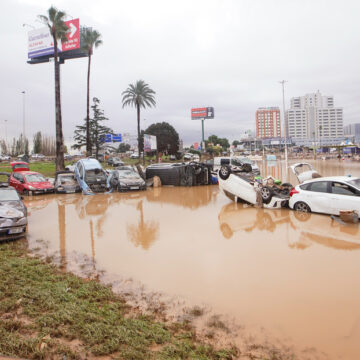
(226, 54)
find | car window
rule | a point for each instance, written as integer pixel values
(224, 161)
(9, 195)
(318, 186)
(18, 177)
(342, 189)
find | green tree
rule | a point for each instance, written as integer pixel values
(89, 39)
(97, 130)
(139, 95)
(236, 142)
(166, 136)
(37, 143)
(123, 148)
(58, 29)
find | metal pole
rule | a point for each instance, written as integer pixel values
(5, 132)
(23, 92)
(285, 127)
(202, 127)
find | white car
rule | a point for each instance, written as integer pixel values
(134, 156)
(328, 195)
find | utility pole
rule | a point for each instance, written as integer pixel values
(282, 82)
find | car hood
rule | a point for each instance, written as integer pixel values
(9, 212)
(131, 181)
(41, 185)
(15, 204)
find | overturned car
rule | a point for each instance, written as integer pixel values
(241, 185)
(181, 174)
(13, 212)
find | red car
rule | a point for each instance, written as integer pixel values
(29, 182)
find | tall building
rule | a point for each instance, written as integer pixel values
(353, 130)
(314, 117)
(268, 123)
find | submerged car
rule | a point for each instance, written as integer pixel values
(29, 182)
(125, 178)
(13, 212)
(327, 195)
(90, 176)
(65, 182)
(241, 185)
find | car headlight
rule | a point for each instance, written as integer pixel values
(31, 187)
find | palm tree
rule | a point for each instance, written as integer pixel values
(58, 29)
(89, 39)
(141, 96)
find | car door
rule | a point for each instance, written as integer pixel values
(16, 181)
(317, 196)
(344, 197)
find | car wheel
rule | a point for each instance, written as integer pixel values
(224, 172)
(301, 206)
(266, 194)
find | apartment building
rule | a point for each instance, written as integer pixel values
(353, 130)
(314, 117)
(268, 124)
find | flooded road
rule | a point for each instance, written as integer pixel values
(295, 275)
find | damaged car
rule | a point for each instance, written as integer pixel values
(90, 175)
(240, 185)
(181, 174)
(65, 183)
(125, 178)
(29, 182)
(13, 212)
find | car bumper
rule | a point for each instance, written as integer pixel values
(41, 191)
(12, 232)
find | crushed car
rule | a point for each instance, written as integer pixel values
(65, 182)
(125, 178)
(239, 184)
(28, 182)
(90, 175)
(13, 212)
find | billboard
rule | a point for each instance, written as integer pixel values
(202, 113)
(40, 41)
(150, 142)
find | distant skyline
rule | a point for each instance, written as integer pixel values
(227, 54)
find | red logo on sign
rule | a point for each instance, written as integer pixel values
(73, 35)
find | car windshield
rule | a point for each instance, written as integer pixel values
(127, 174)
(355, 183)
(35, 178)
(9, 195)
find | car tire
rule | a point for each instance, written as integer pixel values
(266, 194)
(224, 172)
(301, 206)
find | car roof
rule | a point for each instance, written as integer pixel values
(90, 164)
(333, 178)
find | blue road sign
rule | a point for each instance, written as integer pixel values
(117, 138)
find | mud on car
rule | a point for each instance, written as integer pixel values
(65, 182)
(13, 212)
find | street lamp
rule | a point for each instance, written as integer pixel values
(23, 92)
(282, 82)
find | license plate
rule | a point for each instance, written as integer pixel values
(15, 231)
(134, 188)
(70, 191)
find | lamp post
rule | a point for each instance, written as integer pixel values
(282, 82)
(23, 92)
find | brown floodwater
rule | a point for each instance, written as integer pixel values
(293, 275)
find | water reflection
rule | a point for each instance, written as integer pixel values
(299, 229)
(144, 233)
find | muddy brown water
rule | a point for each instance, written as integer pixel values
(294, 275)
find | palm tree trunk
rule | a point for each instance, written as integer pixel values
(138, 128)
(88, 144)
(58, 121)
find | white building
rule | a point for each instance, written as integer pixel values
(314, 117)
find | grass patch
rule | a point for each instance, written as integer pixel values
(44, 311)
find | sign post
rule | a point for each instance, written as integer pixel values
(202, 114)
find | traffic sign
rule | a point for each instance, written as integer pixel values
(117, 138)
(73, 35)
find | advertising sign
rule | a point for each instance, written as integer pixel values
(196, 145)
(150, 142)
(40, 41)
(202, 113)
